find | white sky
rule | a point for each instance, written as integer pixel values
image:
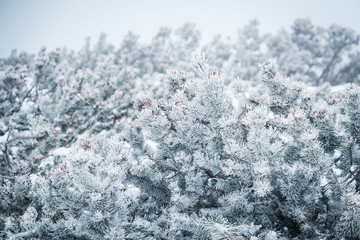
(30, 24)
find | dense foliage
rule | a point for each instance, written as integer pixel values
(254, 139)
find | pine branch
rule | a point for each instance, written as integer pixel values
(325, 72)
(351, 152)
(5, 151)
(7, 177)
(23, 138)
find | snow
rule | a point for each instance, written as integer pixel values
(27, 106)
(339, 88)
(261, 167)
(47, 161)
(33, 178)
(323, 181)
(60, 152)
(336, 171)
(353, 168)
(337, 154)
(151, 146)
(4, 137)
(132, 192)
(262, 187)
(29, 82)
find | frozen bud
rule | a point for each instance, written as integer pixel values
(261, 167)
(169, 140)
(132, 72)
(57, 131)
(98, 216)
(37, 156)
(134, 170)
(132, 192)
(118, 94)
(271, 235)
(52, 63)
(94, 197)
(209, 192)
(297, 116)
(61, 81)
(45, 100)
(351, 140)
(92, 94)
(177, 80)
(148, 163)
(20, 149)
(36, 143)
(285, 138)
(144, 195)
(143, 100)
(70, 132)
(12, 123)
(269, 68)
(262, 187)
(309, 136)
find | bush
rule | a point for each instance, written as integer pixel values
(134, 143)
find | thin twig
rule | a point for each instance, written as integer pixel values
(353, 141)
(6, 150)
(229, 235)
(26, 96)
(211, 175)
(12, 140)
(7, 177)
(267, 217)
(351, 152)
(73, 118)
(325, 72)
(21, 102)
(7, 157)
(22, 138)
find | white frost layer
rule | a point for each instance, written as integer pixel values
(33, 178)
(27, 106)
(151, 146)
(49, 161)
(4, 137)
(339, 88)
(59, 152)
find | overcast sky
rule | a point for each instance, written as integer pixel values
(30, 24)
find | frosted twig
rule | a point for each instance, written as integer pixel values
(229, 235)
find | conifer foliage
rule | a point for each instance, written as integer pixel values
(156, 142)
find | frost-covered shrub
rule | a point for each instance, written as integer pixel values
(49, 100)
(245, 162)
(269, 161)
(135, 143)
(87, 196)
